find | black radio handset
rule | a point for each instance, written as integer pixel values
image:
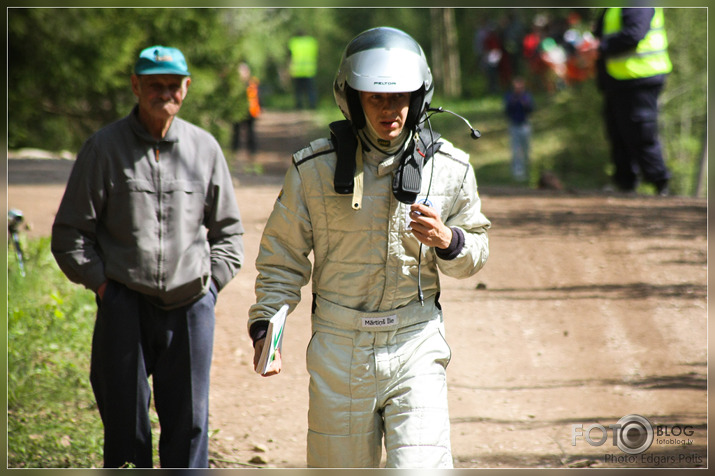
(475, 133)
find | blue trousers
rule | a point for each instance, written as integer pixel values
(520, 136)
(133, 339)
(305, 88)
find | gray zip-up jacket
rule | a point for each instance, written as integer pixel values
(157, 216)
(364, 259)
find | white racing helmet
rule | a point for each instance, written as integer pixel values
(383, 60)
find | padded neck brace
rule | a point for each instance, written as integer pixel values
(407, 182)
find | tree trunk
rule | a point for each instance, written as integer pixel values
(703, 174)
(445, 52)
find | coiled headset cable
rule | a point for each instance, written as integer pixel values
(475, 134)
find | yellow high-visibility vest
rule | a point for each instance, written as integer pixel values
(648, 58)
(304, 56)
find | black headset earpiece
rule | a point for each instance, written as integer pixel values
(415, 112)
(357, 116)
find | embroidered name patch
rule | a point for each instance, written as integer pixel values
(384, 321)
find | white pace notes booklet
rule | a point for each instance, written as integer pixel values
(274, 340)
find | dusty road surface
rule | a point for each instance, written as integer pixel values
(591, 308)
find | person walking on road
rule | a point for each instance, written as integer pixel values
(384, 204)
(248, 107)
(631, 71)
(303, 50)
(149, 222)
(518, 106)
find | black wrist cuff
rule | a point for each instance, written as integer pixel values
(455, 246)
(258, 331)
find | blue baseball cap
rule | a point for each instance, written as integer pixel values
(161, 60)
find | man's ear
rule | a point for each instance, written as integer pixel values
(187, 82)
(135, 85)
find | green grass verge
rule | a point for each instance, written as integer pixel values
(53, 421)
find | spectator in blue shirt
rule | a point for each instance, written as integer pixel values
(518, 107)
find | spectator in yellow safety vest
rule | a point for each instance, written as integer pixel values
(632, 67)
(303, 67)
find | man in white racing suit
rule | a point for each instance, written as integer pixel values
(383, 204)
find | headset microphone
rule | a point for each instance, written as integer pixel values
(475, 133)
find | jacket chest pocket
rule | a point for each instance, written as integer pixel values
(184, 198)
(146, 201)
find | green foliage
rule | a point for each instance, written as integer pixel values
(52, 415)
(68, 75)
(60, 79)
(684, 100)
(567, 137)
(571, 123)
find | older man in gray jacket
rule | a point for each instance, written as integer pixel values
(149, 221)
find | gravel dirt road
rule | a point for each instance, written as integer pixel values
(591, 308)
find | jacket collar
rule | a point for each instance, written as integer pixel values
(141, 132)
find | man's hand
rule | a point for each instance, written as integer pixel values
(428, 228)
(275, 367)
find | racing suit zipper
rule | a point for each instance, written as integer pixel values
(391, 268)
